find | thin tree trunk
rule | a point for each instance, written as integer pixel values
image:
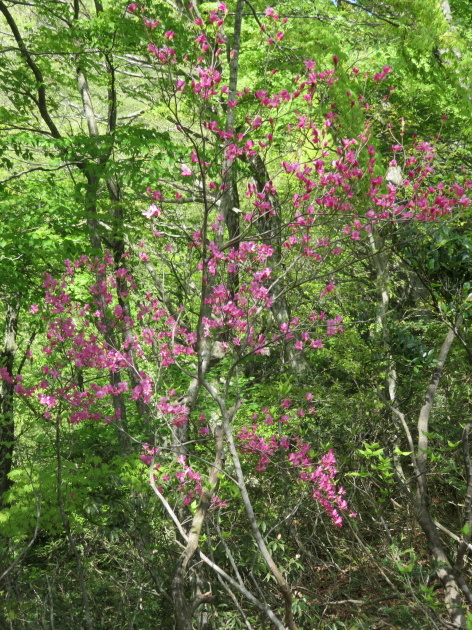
(274, 569)
(270, 228)
(450, 576)
(183, 609)
(7, 421)
(119, 406)
(419, 498)
(452, 591)
(382, 271)
(93, 182)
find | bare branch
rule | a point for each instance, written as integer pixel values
(370, 12)
(239, 587)
(423, 419)
(38, 75)
(38, 168)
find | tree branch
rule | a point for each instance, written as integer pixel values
(423, 419)
(38, 75)
(239, 587)
(38, 168)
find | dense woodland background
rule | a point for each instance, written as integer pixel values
(93, 121)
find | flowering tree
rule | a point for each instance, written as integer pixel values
(269, 200)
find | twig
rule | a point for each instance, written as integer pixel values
(37, 168)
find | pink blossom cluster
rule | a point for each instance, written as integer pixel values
(324, 189)
(164, 54)
(189, 481)
(176, 411)
(321, 478)
(208, 81)
(150, 453)
(82, 333)
(382, 75)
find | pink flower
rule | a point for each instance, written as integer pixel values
(153, 211)
(133, 7)
(219, 503)
(270, 12)
(186, 172)
(328, 288)
(49, 401)
(169, 34)
(5, 375)
(34, 309)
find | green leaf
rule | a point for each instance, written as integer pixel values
(466, 530)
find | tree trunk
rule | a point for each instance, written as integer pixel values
(183, 609)
(452, 592)
(7, 422)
